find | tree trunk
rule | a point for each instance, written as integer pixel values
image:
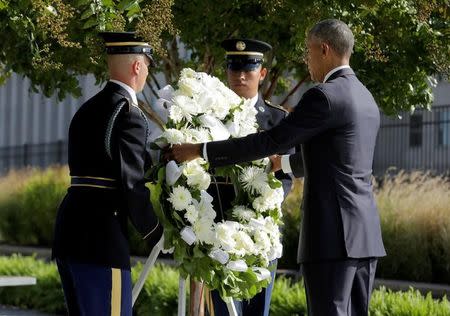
(283, 103)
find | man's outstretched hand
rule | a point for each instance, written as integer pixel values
(275, 163)
(183, 152)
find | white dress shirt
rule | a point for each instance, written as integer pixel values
(130, 90)
(285, 165)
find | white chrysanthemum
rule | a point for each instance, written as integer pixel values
(175, 113)
(204, 230)
(260, 204)
(253, 179)
(191, 214)
(243, 213)
(180, 198)
(173, 136)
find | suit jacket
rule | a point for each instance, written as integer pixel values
(336, 124)
(91, 224)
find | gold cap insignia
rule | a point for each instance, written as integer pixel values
(240, 45)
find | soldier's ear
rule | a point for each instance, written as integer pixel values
(263, 73)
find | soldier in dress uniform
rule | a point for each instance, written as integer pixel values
(245, 72)
(108, 155)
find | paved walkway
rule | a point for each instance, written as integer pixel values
(11, 311)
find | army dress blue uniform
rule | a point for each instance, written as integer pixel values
(248, 57)
(108, 155)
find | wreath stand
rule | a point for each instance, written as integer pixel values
(196, 293)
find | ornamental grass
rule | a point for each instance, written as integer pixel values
(414, 209)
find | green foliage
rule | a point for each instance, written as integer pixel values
(411, 303)
(46, 295)
(415, 221)
(399, 43)
(414, 209)
(27, 215)
(159, 296)
(288, 298)
(290, 229)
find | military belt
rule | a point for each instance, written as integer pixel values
(93, 182)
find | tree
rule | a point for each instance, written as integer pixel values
(400, 44)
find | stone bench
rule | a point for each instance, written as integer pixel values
(17, 280)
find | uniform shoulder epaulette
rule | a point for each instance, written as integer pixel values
(275, 106)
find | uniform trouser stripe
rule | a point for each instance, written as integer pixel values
(116, 292)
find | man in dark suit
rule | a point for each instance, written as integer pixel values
(336, 123)
(245, 72)
(108, 155)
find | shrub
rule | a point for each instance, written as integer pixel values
(290, 229)
(160, 293)
(414, 209)
(415, 219)
(28, 210)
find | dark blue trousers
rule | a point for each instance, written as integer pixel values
(259, 305)
(340, 287)
(95, 290)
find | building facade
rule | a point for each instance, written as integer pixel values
(34, 130)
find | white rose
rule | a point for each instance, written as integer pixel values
(190, 86)
(187, 106)
(276, 251)
(262, 240)
(196, 176)
(224, 236)
(173, 136)
(244, 244)
(187, 73)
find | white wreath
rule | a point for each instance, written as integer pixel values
(233, 255)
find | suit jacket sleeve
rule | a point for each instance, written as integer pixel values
(311, 116)
(132, 137)
(296, 163)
